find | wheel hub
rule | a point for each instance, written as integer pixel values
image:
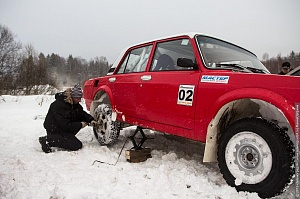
(248, 157)
(102, 124)
(102, 120)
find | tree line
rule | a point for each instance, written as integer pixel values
(23, 68)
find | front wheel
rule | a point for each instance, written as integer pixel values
(257, 156)
(106, 131)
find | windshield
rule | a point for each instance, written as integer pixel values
(219, 54)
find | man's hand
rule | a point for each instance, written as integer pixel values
(83, 124)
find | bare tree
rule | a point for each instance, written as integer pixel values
(9, 58)
(28, 76)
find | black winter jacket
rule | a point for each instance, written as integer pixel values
(64, 117)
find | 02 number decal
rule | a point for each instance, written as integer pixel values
(186, 95)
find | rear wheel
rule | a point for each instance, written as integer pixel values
(257, 156)
(106, 131)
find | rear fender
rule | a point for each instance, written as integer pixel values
(103, 95)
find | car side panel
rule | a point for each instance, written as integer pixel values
(124, 91)
(158, 98)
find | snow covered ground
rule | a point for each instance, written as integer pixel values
(174, 171)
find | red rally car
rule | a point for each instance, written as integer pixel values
(205, 89)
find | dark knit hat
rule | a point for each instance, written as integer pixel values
(286, 65)
(76, 92)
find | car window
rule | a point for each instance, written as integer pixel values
(297, 73)
(220, 54)
(136, 60)
(167, 54)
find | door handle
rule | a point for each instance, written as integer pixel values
(112, 79)
(146, 77)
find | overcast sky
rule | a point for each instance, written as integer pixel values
(90, 28)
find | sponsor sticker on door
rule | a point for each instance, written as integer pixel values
(215, 79)
(186, 95)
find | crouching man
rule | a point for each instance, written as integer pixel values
(64, 119)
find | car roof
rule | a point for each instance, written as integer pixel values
(189, 34)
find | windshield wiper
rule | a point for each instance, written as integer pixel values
(257, 70)
(243, 68)
(234, 66)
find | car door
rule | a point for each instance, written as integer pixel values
(167, 94)
(126, 81)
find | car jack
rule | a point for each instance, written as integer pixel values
(137, 153)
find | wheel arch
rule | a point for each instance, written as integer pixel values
(237, 105)
(102, 95)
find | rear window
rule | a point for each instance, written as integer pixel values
(136, 60)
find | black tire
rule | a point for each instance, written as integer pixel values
(255, 155)
(107, 131)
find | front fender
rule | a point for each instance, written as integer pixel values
(279, 101)
(226, 101)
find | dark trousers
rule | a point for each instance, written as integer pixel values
(65, 141)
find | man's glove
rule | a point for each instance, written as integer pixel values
(93, 123)
(83, 124)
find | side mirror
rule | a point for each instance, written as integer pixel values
(185, 62)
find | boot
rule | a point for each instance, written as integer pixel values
(45, 146)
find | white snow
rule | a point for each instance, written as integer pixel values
(238, 182)
(113, 116)
(174, 171)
